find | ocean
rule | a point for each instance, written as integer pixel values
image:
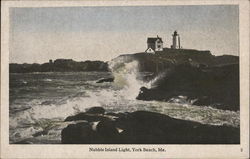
(39, 102)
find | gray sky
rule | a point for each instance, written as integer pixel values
(102, 33)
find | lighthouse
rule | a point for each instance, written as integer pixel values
(176, 41)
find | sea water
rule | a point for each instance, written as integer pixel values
(39, 102)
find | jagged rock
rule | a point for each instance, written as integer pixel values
(96, 110)
(154, 94)
(79, 133)
(84, 133)
(108, 131)
(105, 80)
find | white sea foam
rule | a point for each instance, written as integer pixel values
(48, 80)
(127, 78)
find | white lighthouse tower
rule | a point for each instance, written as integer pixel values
(176, 41)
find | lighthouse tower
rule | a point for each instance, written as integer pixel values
(176, 41)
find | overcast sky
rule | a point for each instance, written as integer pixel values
(102, 33)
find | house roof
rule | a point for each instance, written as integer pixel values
(152, 40)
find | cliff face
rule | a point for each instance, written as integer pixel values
(60, 65)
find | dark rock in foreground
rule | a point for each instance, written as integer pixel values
(148, 127)
(78, 133)
(213, 86)
(142, 127)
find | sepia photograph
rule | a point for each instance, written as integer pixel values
(125, 75)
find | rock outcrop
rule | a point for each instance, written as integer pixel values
(96, 110)
(142, 127)
(213, 86)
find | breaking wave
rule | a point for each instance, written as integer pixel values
(126, 78)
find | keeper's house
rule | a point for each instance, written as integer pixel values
(154, 44)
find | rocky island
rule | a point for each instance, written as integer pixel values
(198, 77)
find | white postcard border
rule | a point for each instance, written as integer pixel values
(82, 151)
